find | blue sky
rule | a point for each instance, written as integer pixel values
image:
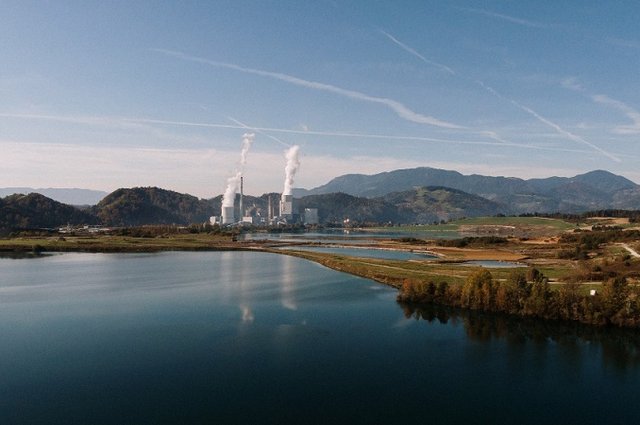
(115, 94)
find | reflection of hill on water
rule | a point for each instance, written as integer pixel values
(619, 348)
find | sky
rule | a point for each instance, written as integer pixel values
(103, 95)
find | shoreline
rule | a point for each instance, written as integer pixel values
(397, 274)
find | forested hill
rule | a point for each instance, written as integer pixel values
(34, 211)
(420, 205)
(151, 205)
(69, 196)
(428, 204)
(591, 191)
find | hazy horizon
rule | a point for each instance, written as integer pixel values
(107, 95)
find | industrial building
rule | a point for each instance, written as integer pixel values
(284, 213)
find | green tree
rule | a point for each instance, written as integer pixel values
(569, 303)
(536, 304)
(478, 291)
(615, 293)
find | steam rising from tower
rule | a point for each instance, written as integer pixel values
(293, 163)
(290, 170)
(247, 140)
(233, 182)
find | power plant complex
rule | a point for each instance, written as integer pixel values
(286, 214)
(278, 212)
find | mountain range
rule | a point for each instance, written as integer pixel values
(591, 191)
(419, 195)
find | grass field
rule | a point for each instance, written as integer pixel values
(550, 224)
(560, 225)
(106, 243)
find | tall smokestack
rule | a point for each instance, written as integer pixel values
(241, 196)
(233, 182)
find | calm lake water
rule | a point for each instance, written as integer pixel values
(242, 337)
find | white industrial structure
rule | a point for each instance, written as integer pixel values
(228, 215)
(253, 215)
(286, 206)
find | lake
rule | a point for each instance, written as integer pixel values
(245, 337)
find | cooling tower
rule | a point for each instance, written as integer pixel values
(228, 216)
(286, 205)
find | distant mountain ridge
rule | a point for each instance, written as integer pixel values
(384, 201)
(590, 191)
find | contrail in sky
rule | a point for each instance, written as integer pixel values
(112, 120)
(400, 109)
(489, 134)
(258, 131)
(566, 133)
(417, 54)
(512, 19)
(631, 113)
(530, 111)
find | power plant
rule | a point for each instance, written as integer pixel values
(287, 213)
(273, 213)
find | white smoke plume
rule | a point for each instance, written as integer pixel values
(233, 182)
(247, 140)
(293, 163)
(229, 196)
